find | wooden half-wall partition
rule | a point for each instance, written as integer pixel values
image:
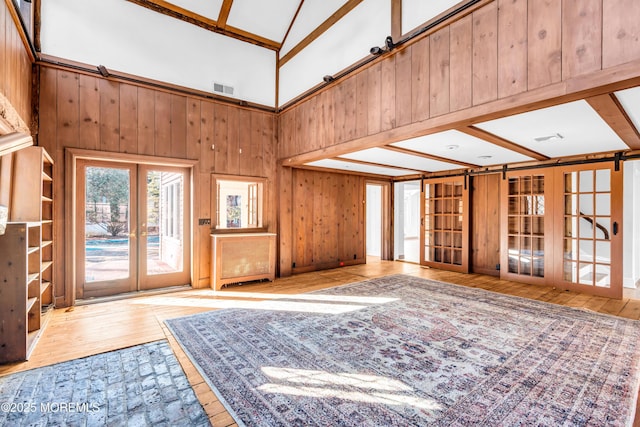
(85, 111)
(504, 57)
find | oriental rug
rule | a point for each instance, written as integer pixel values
(136, 386)
(400, 351)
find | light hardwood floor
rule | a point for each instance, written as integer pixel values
(96, 328)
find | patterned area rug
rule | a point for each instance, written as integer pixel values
(406, 351)
(137, 386)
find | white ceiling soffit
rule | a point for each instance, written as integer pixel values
(393, 158)
(269, 19)
(360, 168)
(562, 130)
(630, 101)
(462, 147)
(209, 9)
(312, 14)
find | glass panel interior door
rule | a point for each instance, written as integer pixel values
(164, 228)
(590, 235)
(445, 224)
(107, 236)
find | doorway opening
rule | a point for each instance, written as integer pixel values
(406, 220)
(378, 222)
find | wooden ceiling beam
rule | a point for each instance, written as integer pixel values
(501, 142)
(346, 8)
(396, 19)
(429, 156)
(177, 12)
(375, 164)
(224, 13)
(612, 112)
(295, 16)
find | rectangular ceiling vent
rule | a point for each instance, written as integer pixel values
(223, 89)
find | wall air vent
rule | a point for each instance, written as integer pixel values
(223, 89)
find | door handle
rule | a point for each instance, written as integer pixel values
(615, 228)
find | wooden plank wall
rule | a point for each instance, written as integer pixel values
(15, 67)
(90, 112)
(322, 217)
(501, 50)
(485, 224)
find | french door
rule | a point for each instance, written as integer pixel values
(562, 228)
(445, 224)
(132, 227)
(587, 229)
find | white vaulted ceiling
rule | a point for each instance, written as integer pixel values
(272, 51)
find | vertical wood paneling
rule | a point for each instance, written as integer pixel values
(420, 80)
(544, 63)
(129, 121)
(374, 98)
(621, 32)
(178, 126)
(193, 128)
(461, 50)
(326, 114)
(109, 115)
(156, 120)
(311, 118)
(68, 109)
(15, 67)
(581, 37)
(244, 152)
(256, 155)
(47, 137)
(207, 154)
(388, 97)
(285, 214)
(345, 105)
(485, 54)
(146, 121)
(512, 47)
(439, 73)
(163, 124)
(237, 123)
(220, 135)
(485, 224)
(286, 142)
(362, 128)
(89, 99)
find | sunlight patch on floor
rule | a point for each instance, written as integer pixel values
(347, 386)
(276, 305)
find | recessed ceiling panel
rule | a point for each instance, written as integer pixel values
(630, 100)
(209, 9)
(266, 18)
(462, 147)
(355, 167)
(562, 130)
(393, 158)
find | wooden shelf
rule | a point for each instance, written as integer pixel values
(31, 302)
(45, 265)
(26, 249)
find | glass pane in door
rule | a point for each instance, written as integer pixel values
(587, 228)
(164, 222)
(107, 208)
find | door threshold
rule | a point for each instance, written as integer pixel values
(129, 295)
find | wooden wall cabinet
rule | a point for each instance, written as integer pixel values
(242, 257)
(26, 255)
